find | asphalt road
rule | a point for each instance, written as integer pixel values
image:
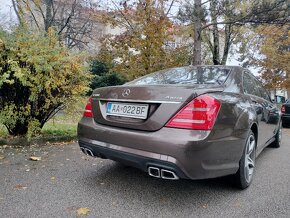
(65, 180)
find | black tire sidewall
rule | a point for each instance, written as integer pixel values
(240, 175)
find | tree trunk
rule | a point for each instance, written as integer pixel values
(216, 43)
(228, 37)
(197, 33)
(16, 10)
(48, 16)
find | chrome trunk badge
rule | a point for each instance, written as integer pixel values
(126, 92)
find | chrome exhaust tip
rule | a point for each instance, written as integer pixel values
(154, 171)
(167, 174)
(83, 150)
(89, 152)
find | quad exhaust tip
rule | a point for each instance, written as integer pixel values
(154, 171)
(162, 173)
(87, 151)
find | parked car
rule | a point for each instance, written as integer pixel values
(188, 122)
(285, 110)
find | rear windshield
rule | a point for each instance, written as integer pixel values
(185, 75)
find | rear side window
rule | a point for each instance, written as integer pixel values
(264, 93)
(250, 85)
(185, 75)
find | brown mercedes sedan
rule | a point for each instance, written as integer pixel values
(191, 122)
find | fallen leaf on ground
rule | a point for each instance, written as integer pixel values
(69, 209)
(83, 211)
(35, 158)
(2, 157)
(19, 186)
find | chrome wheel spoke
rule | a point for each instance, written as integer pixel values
(251, 147)
(251, 163)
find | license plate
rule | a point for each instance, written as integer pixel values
(138, 111)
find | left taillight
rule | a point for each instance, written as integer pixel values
(283, 109)
(199, 114)
(88, 109)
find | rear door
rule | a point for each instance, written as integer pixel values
(272, 118)
(262, 106)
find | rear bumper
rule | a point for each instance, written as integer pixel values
(191, 154)
(131, 159)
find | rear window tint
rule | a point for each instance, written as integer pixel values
(185, 75)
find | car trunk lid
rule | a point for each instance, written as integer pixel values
(162, 102)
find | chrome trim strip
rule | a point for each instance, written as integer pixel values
(137, 101)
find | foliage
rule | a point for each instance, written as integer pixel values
(140, 49)
(103, 76)
(38, 77)
(275, 50)
(219, 22)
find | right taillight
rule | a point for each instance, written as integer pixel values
(199, 114)
(283, 109)
(88, 109)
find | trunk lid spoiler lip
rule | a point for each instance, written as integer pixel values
(166, 99)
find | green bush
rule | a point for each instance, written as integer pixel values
(38, 77)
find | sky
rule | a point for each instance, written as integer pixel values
(5, 5)
(7, 14)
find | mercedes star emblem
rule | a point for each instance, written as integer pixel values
(126, 92)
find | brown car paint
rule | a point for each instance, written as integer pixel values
(193, 154)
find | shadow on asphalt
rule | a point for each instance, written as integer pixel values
(116, 175)
(115, 179)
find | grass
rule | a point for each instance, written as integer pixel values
(63, 127)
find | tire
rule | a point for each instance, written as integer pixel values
(278, 138)
(244, 176)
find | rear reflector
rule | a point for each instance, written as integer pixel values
(199, 114)
(283, 109)
(88, 109)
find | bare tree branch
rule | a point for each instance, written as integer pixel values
(16, 10)
(169, 9)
